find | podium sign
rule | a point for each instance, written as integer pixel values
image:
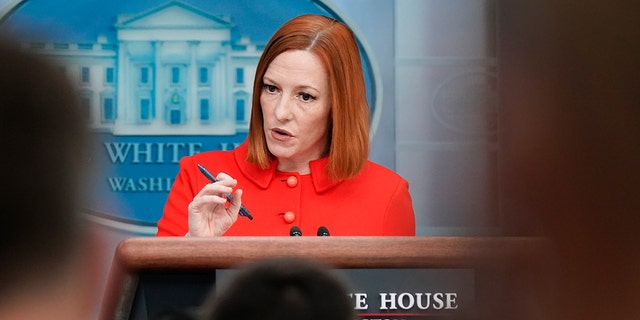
(411, 293)
(404, 293)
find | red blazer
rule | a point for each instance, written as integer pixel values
(374, 203)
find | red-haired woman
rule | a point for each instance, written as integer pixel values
(304, 162)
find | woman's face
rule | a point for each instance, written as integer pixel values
(295, 105)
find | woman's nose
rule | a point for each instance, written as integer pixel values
(283, 108)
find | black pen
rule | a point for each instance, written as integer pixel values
(243, 211)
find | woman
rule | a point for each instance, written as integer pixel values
(304, 163)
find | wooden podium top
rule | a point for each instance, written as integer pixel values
(341, 252)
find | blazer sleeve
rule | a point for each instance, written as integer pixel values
(400, 219)
(174, 221)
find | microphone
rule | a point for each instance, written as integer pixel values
(295, 232)
(323, 231)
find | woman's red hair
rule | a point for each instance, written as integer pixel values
(335, 45)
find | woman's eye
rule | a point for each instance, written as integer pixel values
(306, 97)
(270, 88)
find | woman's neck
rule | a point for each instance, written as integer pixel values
(288, 165)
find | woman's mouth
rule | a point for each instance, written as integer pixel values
(281, 134)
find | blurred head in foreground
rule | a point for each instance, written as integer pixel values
(282, 289)
(43, 274)
(571, 122)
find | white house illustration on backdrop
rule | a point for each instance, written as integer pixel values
(173, 71)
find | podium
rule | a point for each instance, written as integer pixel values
(495, 273)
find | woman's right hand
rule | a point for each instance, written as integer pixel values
(209, 216)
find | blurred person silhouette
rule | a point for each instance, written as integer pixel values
(281, 289)
(570, 84)
(48, 267)
(304, 162)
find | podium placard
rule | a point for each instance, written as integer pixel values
(392, 277)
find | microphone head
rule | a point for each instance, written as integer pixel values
(323, 231)
(295, 231)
